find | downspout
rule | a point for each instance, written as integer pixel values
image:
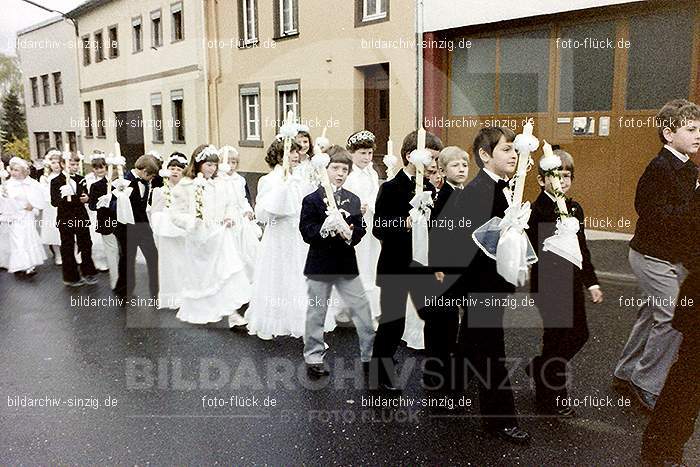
(217, 77)
(206, 71)
(419, 63)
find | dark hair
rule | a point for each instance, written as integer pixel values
(175, 162)
(194, 167)
(410, 143)
(675, 114)
(310, 151)
(148, 164)
(567, 162)
(73, 158)
(340, 155)
(361, 144)
(275, 153)
(488, 138)
(98, 162)
(51, 149)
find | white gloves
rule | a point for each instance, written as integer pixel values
(104, 200)
(67, 190)
(335, 224)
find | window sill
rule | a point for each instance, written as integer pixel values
(157, 142)
(291, 35)
(89, 136)
(249, 44)
(134, 52)
(175, 41)
(249, 143)
(359, 22)
(178, 142)
(101, 136)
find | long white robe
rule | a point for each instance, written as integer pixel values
(26, 250)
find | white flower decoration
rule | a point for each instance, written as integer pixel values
(206, 152)
(420, 156)
(548, 163)
(224, 168)
(390, 160)
(322, 142)
(526, 143)
(321, 161)
(165, 173)
(289, 130)
(155, 154)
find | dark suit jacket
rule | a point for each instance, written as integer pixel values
(138, 203)
(69, 212)
(330, 257)
(390, 213)
(479, 202)
(664, 201)
(543, 225)
(106, 218)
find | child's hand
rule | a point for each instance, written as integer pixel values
(596, 295)
(409, 223)
(249, 215)
(228, 223)
(363, 208)
(28, 207)
(84, 198)
(440, 276)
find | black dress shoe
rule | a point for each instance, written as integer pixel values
(389, 388)
(317, 370)
(513, 435)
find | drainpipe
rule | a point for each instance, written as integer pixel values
(206, 71)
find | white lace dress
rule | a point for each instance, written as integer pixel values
(214, 284)
(49, 231)
(25, 248)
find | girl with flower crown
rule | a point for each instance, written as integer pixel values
(279, 302)
(49, 232)
(215, 284)
(169, 239)
(21, 198)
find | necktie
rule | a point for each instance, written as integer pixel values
(501, 184)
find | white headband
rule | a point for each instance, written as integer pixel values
(206, 152)
(19, 161)
(363, 135)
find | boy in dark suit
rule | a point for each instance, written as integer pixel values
(138, 234)
(481, 338)
(331, 262)
(106, 222)
(558, 288)
(442, 322)
(73, 224)
(664, 202)
(397, 273)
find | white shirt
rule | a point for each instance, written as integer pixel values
(142, 186)
(493, 176)
(683, 157)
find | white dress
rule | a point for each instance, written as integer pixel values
(170, 241)
(245, 233)
(99, 257)
(26, 250)
(214, 284)
(279, 301)
(49, 231)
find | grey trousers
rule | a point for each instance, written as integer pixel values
(353, 294)
(653, 343)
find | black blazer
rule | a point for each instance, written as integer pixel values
(479, 201)
(106, 218)
(138, 203)
(390, 213)
(665, 202)
(69, 212)
(330, 256)
(543, 225)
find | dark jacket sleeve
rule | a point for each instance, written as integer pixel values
(55, 191)
(652, 202)
(388, 216)
(357, 221)
(588, 271)
(97, 189)
(311, 220)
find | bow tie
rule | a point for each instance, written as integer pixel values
(501, 184)
(141, 180)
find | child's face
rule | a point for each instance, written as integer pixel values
(99, 171)
(504, 159)
(304, 142)
(294, 158)
(456, 172)
(432, 172)
(17, 172)
(685, 139)
(362, 157)
(337, 172)
(175, 173)
(72, 167)
(233, 162)
(55, 166)
(564, 180)
(208, 169)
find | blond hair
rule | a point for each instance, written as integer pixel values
(452, 153)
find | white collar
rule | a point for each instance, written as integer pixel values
(683, 157)
(456, 187)
(493, 176)
(551, 196)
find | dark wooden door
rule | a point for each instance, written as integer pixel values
(130, 135)
(377, 115)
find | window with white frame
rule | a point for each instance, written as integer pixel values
(156, 29)
(250, 113)
(287, 17)
(373, 9)
(178, 26)
(136, 35)
(287, 100)
(177, 98)
(249, 21)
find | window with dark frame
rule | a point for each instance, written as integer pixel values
(156, 29)
(46, 89)
(99, 47)
(100, 117)
(43, 143)
(113, 41)
(250, 114)
(35, 90)
(86, 50)
(178, 112)
(287, 99)
(178, 26)
(72, 141)
(136, 35)
(157, 117)
(58, 87)
(87, 113)
(58, 139)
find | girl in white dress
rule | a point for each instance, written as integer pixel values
(21, 198)
(305, 171)
(214, 285)
(99, 170)
(49, 232)
(4, 224)
(279, 301)
(170, 240)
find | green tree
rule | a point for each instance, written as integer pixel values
(10, 75)
(13, 125)
(19, 148)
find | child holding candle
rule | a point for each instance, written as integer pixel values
(305, 171)
(558, 288)
(481, 347)
(397, 274)
(331, 261)
(49, 230)
(99, 170)
(105, 219)
(21, 198)
(69, 194)
(215, 285)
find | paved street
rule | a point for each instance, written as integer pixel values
(130, 387)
